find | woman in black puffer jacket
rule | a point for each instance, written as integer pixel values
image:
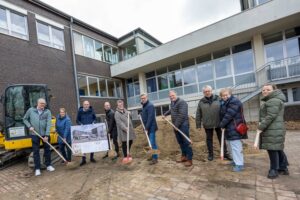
(231, 115)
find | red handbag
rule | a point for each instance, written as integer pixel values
(242, 127)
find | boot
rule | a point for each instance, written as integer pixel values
(284, 172)
(182, 159)
(228, 157)
(210, 156)
(153, 162)
(272, 174)
(188, 163)
(92, 158)
(83, 161)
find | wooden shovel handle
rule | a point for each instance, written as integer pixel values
(67, 144)
(177, 129)
(52, 147)
(222, 145)
(146, 133)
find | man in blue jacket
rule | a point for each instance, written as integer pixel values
(86, 115)
(149, 120)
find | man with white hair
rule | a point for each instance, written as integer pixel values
(208, 115)
(39, 119)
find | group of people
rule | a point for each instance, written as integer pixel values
(222, 113)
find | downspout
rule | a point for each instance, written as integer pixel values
(74, 62)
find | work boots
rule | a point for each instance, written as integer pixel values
(210, 156)
(272, 174)
(188, 163)
(182, 159)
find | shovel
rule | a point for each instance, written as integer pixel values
(222, 145)
(67, 144)
(188, 139)
(128, 159)
(257, 137)
(111, 153)
(149, 150)
(68, 164)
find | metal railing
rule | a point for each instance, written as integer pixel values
(281, 71)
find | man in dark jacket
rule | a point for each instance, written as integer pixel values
(86, 115)
(180, 118)
(208, 113)
(149, 120)
(112, 127)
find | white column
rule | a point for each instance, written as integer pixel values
(142, 81)
(258, 49)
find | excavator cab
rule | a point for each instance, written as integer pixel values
(17, 100)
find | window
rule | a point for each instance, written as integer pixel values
(296, 94)
(205, 71)
(13, 23)
(175, 79)
(274, 51)
(293, 47)
(50, 36)
(188, 63)
(285, 92)
(93, 86)
(99, 51)
(98, 87)
(147, 46)
(223, 67)
(162, 82)
(86, 46)
(189, 76)
(78, 44)
(151, 85)
(133, 87)
(129, 50)
(243, 62)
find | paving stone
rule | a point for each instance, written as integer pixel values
(265, 190)
(286, 198)
(285, 193)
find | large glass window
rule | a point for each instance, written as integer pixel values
(205, 72)
(93, 86)
(119, 89)
(189, 76)
(243, 62)
(129, 50)
(223, 67)
(293, 47)
(162, 82)
(78, 44)
(102, 84)
(13, 23)
(3, 21)
(107, 53)
(88, 47)
(99, 51)
(274, 51)
(83, 87)
(114, 55)
(50, 36)
(133, 87)
(111, 88)
(151, 85)
(296, 94)
(175, 79)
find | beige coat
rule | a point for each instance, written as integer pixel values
(121, 118)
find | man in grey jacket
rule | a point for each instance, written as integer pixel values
(208, 114)
(180, 118)
(39, 119)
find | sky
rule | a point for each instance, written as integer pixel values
(164, 19)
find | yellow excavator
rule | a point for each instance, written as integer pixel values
(15, 141)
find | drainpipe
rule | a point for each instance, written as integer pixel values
(74, 62)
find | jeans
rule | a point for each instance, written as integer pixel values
(236, 148)
(152, 139)
(209, 139)
(124, 147)
(36, 152)
(62, 149)
(185, 146)
(278, 159)
(84, 157)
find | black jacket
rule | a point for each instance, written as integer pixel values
(86, 117)
(230, 116)
(148, 117)
(179, 113)
(111, 122)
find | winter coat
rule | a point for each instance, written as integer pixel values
(208, 112)
(121, 118)
(40, 122)
(86, 117)
(149, 117)
(179, 113)
(63, 128)
(230, 116)
(111, 123)
(271, 121)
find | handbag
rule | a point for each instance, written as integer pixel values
(242, 127)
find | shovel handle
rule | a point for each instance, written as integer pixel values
(52, 147)
(146, 133)
(128, 123)
(256, 141)
(108, 135)
(67, 144)
(177, 129)
(222, 145)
